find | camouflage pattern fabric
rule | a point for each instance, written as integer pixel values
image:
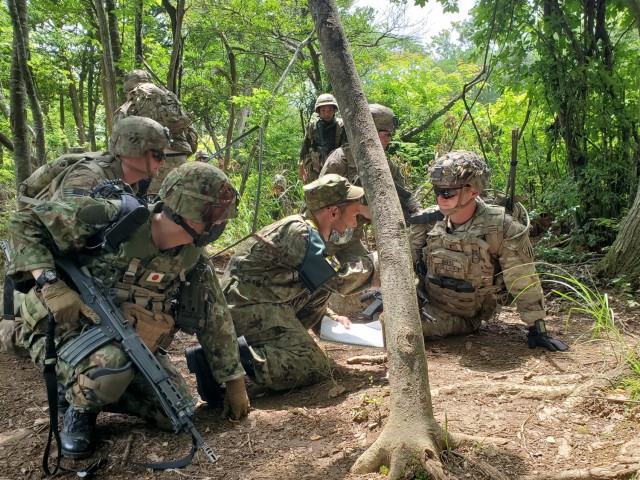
(467, 268)
(320, 139)
(80, 179)
(273, 309)
(458, 168)
(138, 272)
(169, 164)
(341, 162)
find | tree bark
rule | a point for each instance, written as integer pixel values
(116, 48)
(76, 106)
(138, 5)
(176, 54)
(109, 79)
(411, 408)
(18, 112)
(18, 13)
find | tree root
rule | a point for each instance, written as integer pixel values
(612, 472)
(373, 359)
(506, 388)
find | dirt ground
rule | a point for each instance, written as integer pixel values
(488, 384)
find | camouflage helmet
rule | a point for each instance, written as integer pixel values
(194, 190)
(383, 117)
(134, 78)
(324, 100)
(460, 168)
(280, 180)
(201, 156)
(133, 136)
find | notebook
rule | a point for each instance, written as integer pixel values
(362, 334)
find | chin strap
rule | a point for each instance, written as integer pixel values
(149, 174)
(450, 211)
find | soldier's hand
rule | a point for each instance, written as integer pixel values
(538, 337)
(236, 401)
(66, 304)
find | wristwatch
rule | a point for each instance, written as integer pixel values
(49, 276)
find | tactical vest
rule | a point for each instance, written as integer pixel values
(139, 274)
(463, 271)
(47, 179)
(315, 133)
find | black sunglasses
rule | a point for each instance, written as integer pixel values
(448, 192)
(158, 155)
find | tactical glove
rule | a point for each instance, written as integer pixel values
(66, 304)
(538, 337)
(236, 401)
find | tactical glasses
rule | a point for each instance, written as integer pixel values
(448, 192)
(159, 155)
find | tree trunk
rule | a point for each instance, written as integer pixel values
(78, 114)
(18, 112)
(232, 78)
(138, 5)
(623, 258)
(411, 408)
(18, 12)
(91, 108)
(116, 49)
(109, 79)
(176, 54)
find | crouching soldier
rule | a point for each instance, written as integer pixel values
(472, 254)
(156, 277)
(278, 283)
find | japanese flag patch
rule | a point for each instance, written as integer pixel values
(155, 277)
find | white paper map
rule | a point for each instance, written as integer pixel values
(363, 334)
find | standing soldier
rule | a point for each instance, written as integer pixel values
(471, 255)
(323, 135)
(160, 279)
(136, 153)
(145, 99)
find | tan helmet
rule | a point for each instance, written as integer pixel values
(135, 77)
(201, 156)
(459, 168)
(133, 136)
(200, 193)
(279, 180)
(324, 100)
(383, 117)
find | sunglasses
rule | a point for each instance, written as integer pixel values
(448, 192)
(158, 155)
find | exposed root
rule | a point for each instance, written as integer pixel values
(611, 472)
(373, 359)
(506, 388)
(607, 379)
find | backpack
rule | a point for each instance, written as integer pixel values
(47, 179)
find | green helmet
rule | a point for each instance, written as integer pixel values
(383, 117)
(133, 136)
(135, 77)
(200, 193)
(459, 168)
(326, 99)
(280, 180)
(201, 156)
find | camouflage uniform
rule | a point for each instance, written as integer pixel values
(465, 268)
(272, 307)
(320, 139)
(146, 99)
(138, 273)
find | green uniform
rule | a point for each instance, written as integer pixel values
(138, 273)
(78, 180)
(320, 139)
(272, 307)
(465, 269)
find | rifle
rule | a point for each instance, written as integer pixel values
(377, 304)
(114, 327)
(511, 184)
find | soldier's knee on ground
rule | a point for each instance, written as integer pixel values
(102, 386)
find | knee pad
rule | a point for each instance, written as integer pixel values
(104, 385)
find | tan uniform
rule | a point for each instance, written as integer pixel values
(467, 268)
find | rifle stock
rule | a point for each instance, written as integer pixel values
(115, 326)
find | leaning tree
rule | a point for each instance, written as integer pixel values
(411, 408)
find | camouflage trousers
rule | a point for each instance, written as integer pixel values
(447, 324)
(11, 331)
(107, 378)
(278, 335)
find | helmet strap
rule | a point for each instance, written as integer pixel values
(458, 207)
(139, 170)
(177, 219)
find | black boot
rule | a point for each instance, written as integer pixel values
(76, 437)
(209, 390)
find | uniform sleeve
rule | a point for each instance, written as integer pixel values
(519, 272)
(58, 227)
(354, 277)
(409, 204)
(306, 145)
(336, 163)
(219, 338)
(79, 181)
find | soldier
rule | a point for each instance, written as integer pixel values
(201, 156)
(323, 135)
(341, 162)
(471, 255)
(136, 153)
(160, 279)
(145, 99)
(278, 283)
